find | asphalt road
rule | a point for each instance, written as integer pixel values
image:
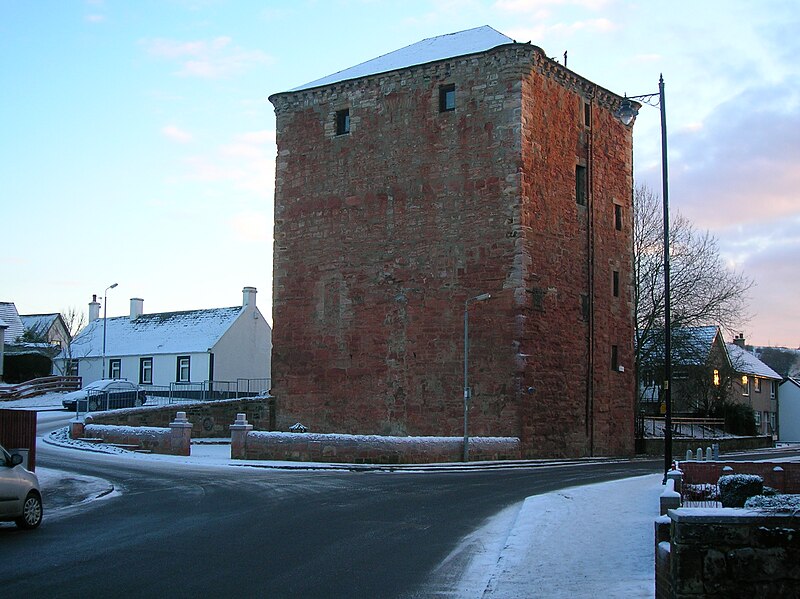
(183, 531)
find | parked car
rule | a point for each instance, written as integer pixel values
(20, 496)
(105, 394)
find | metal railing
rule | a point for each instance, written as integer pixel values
(205, 391)
(693, 428)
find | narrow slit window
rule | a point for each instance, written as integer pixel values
(447, 98)
(615, 282)
(614, 358)
(587, 114)
(618, 217)
(580, 184)
(343, 121)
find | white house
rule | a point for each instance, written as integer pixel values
(194, 346)
(789, 411)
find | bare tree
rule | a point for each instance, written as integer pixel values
(74, 320)
(703, 290)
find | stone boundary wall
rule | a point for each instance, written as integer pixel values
(786, 480)
(728, 552)
(209, 419)
(368, 449)
(173, 440)
(679, 446)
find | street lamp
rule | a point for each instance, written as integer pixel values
(478, 298)
(626, 113)
(105, 311)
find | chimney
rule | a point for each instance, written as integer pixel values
(137, 307)
(94, 308)
(249, 296)
(739, 340)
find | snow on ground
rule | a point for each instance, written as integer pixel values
(48, 400)
(595, 540)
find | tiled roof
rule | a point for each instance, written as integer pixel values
(38, 322)
(690, 345)
(190, 331)
(9, 315)
(428, 50)
(746, 363)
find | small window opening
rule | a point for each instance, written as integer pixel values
(618, 217)
(614, 358)
(615, 283)
(447, 98)
(580, 184)
(587, 114)
(343, 121)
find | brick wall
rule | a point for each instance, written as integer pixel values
(382, 234)
(786, 480)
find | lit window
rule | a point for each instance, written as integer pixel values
(447, 98)
(716, 377)
(343, 121)
(756, 384)
(745, 385)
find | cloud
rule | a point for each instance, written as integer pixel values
(209, 59)
(95, 18)
(176, 134)
(536, 6)
(540, 32)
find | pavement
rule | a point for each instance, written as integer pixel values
(578, 542)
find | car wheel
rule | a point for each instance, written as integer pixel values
(94, 405)
(31, 512)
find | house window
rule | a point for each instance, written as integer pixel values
(772, 422)
(343, 121)
(145, 371)
(114, 368)
(615, 282)
(716, 377)
(182, 369)
(580, 184)
(745, 385)
(757, 415)
(614, 358)
(772, 389)
(447, 98)
(72, 369)
(756, 384)
(618, 217)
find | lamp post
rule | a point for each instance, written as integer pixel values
(105, 311)
(478, 298)
(626, 113)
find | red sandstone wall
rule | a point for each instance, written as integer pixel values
(380, 236)
(786, 480)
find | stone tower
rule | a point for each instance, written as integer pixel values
(461, 165)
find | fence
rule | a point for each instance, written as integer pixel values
(205, 391)
(694, 428)
(40, 386)
(18, 431)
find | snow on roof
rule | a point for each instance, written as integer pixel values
(191, 331)
(471, 41)
(746, 363)
(690, 346)
(10, 316)
(38, 322)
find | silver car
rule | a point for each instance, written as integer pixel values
(20, 496)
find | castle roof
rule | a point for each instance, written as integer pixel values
(461, 43)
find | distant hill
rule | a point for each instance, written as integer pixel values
(782, 360)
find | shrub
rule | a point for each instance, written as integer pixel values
(776, 503)
(736, 489)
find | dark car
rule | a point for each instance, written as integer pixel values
(105, 394)
(20, 497)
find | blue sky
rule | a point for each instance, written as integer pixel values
(138, 142)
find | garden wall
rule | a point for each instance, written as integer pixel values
(655, 446)
(365, 449)
(175, 439)
(786, 479)
(209, 419)
(727, 552)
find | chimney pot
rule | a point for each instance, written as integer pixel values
(249, 296)
(137, 307)
(94, 308)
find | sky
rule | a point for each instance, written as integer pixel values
(138, 143)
